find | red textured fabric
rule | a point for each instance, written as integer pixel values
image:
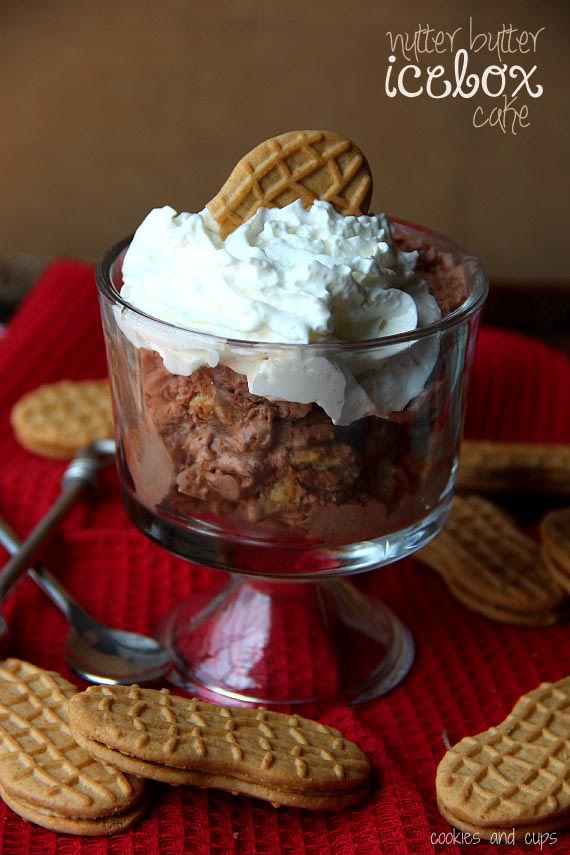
(468, 670)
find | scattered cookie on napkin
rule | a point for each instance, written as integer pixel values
(515, 776)
(44, 775)
(58, 419)
(492, 567)
(284, 759)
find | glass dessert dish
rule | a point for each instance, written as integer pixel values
(292, 496)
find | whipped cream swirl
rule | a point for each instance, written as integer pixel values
(291, 276)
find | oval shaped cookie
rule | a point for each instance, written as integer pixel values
(304, 165)
(517, 773)
(487, 560)
(284, 759)
(41, 765)
(57, 419)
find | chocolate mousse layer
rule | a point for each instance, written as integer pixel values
(230, 447)
(279, 465)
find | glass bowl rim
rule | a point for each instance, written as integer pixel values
(464, 311)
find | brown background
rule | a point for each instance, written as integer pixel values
(111, 108)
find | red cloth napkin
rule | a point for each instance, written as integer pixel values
(467, 674)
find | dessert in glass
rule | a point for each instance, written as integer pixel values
(288, 408)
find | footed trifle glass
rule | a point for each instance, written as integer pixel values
(285, 499)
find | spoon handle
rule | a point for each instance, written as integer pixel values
(43, 578)
(79, 475)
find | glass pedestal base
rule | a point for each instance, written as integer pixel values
(277, 643)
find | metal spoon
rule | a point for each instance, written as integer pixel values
(79, 476)
(98, 653)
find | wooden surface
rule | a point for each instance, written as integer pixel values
(110, 109)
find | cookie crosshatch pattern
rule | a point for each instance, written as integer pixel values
(516, 774)
(284, 758)
(304, 165)
(493, 567)
(41, 764)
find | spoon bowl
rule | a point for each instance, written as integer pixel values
(100, 654)
(96, 652)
